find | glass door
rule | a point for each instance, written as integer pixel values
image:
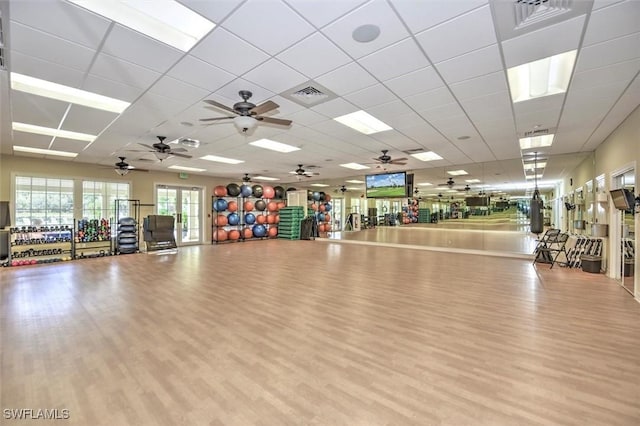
(183, 203)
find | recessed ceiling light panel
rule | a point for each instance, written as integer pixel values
(536, 142)
(49, 131)
(457, 172)
(221, 159)
(363, 122)
(44, 151)
(426, 156)
(355, 166)
(544, 77)
(274, 146)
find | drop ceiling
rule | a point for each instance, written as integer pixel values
(436, 74)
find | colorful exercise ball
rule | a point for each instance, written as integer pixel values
(327, 207)
(272, 206)
(268, 192)
(221, 220)
(220, 191)
(327, 197)
(322, 195)
(273, 231)
(277, 218)
(327, 217)
(271, 219)
(220, 205)
(321, 227)
(249, 218)
(322, 208)
(248, 206)
(247, 233)
(314, 207)
(245, 190)
(234, 235)
(257, 191)
(259, 230)
(281, 205)
(233, 190)
(233, 218)
(220, 235)
(321, 217)
(232, 206)
(279, 192)
(316, 196)
(260, 205)
(261, 219)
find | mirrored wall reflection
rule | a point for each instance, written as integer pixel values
(626, 243)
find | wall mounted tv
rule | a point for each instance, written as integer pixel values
(387, 185)
(622, 198)
(477, 201)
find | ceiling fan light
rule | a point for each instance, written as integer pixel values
(121, 172)
(244, 122)
(161, 155)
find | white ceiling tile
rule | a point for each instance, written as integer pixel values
(371, 96)
(175, 89)
(424, 133)
(60, 144)
(275, 76)
(376, 12)
(227, 51)
(395, 60)
(545, 118)
(414, 82)
(32, 140)
(111, 88)
(475, 64)
(50, 48)
(321, 12)
(347, 79)
(422, 15)
(161, 104)
(256, 18)
(484, 85)
(115, 69)
(620, 72)
(87, 120)
(285, 107)
(306, 117)
(626, 15)
(402, 121)
(137, 120)
(446, 41)
(134, 47)
(32, 109)
(388, 111)
(609, 52)
(38, 68)
(215, 11)
(335, 108)
(484, 107)
(197, 72)
(314, 56)
(431, 99)
(599, 4)
(62, 19)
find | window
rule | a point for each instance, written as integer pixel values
(43, 201)
(98, 199)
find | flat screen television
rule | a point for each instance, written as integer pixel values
(477, 201)
(622, 198)
(387, 185)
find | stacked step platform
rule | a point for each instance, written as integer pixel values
(289, 226)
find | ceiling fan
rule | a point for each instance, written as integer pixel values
(162, 150)
(246, 178)
(302, 172)
(247, 114)
(122, 168)
(386, 159)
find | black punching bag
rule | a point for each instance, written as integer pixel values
(535, 213)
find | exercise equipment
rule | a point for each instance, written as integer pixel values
(259, 231)
(245, 191)
(261, 219)
(220, 205)
(257, 191)
(234, 235)
(279, 192)
(248, 206)
(250, 219)
(272, 232)
(232, 206)
(233, 190)
(233, 218)
(221, 220)
(220, 191)
(247, 233)
(260, 205)
(268, 192)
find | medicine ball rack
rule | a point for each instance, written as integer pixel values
(93, 238)
(31, 245)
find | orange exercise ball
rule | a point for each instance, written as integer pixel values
(232, 206)
(234, 235)
(322, 208)
(261, 219)
(277, 218)
(272, 206)
(247, 232)
(271, 219)
(268, 192)
(273, 231)
(281, 205)
(220, 235)
(248, 206)
(321, 227)
(327, 197)
(314, 207)
(221, 220)
(220, 191)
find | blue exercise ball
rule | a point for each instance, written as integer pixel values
(320, 217)
(259, 230)
(220, 205)
(327, 207)
(316, 196)
(245, 191)
(250, 219)
(233, 219)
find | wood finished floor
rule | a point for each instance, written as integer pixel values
(308, 333)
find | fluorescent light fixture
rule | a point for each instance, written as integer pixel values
(187, 169)
(536, 142)
(457, 172)
(48, 131)
(274, 146)
(354, 181)
(472, 180)
(452, 191)
(47, 89)
(164, 20)
(545, 77)
(425, 184)
(426, 156)
(221, 159)
(533, 166)
(264, 178)
(354, 166)
(44, 151)
(321, 185)
(363, 122)
(351, 188)
(533, 176)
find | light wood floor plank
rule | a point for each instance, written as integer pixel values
(318, 333)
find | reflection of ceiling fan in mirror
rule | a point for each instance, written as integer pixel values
(246, 178)
(247, 114)
(301, 172)
(162, 151)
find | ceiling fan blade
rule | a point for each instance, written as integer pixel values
(271, 120)
(399, 159)
(178, 150)
(146, 146)
(215, 118)
(397, 163)
(219, 105)
(135, 169)
(180, 155)
(264, 107)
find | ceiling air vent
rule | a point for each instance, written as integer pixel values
(309, 94)
(536, 132)
(530, 12)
